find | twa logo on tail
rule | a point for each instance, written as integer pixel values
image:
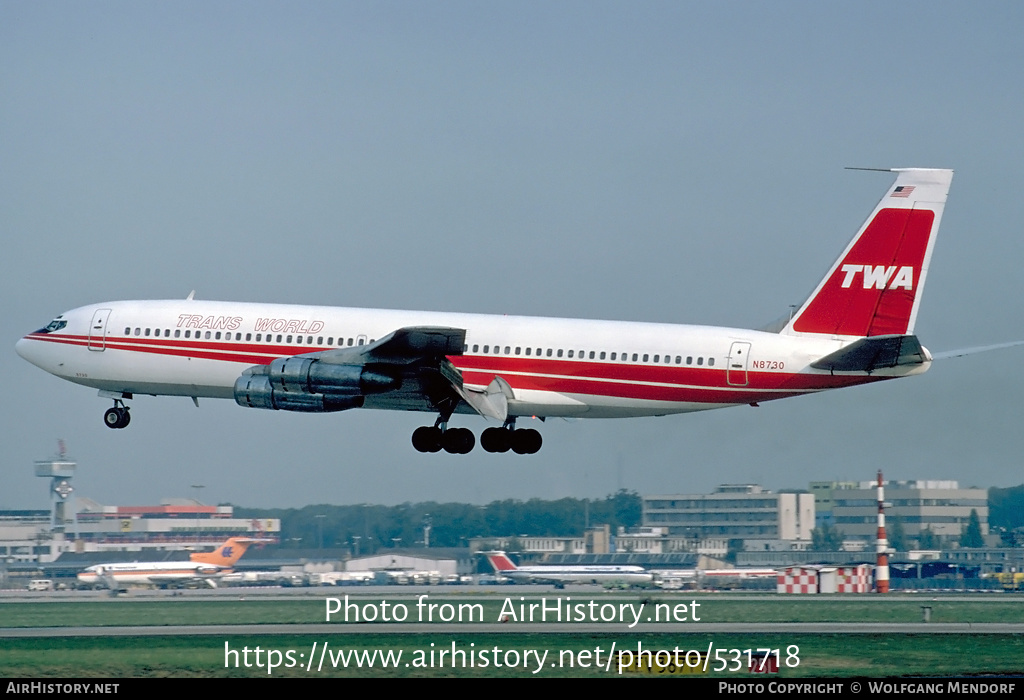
(874, 288)
(878, 277)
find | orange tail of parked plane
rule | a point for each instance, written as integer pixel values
(228, 553)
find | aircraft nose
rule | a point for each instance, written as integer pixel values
(28, 348)
(22, 348)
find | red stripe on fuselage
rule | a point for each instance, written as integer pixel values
(622, 380)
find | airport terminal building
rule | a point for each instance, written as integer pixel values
(748, 512)
(918, 505)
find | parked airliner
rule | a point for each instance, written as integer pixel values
(561, 575)
(202, 568)
(856, 327)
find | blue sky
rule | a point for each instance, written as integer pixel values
(675, 162)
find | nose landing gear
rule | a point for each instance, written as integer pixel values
(117, 417)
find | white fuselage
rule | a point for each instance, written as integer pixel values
(143, 573)
(555, 367)
(579, 574)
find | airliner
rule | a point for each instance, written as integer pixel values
(856, 327)
(561, 575)
(202, 568)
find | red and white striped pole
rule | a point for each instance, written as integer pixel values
(882, 545)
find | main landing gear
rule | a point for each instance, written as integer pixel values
(117, 417)
(456, 441)
(460, 441)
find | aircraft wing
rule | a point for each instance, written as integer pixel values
(406, 369)
(405, 346)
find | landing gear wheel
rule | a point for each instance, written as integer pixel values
(496, 439)
(112, 418)
(117, 417)
(427, 439)
(458, 441)
(526, 441)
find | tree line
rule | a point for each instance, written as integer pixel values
(367, 528)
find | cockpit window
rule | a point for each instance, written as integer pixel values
(55, 325)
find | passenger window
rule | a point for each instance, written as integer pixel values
(657, 358)
(288, 339)
(549, 352)
(645, 357)
(508, 350)
(487, 349)
(689, 360)
(602, 354)
(711, 362)
(319, 340)
(218, 335)
(147, 332)
(278, 338)
(207, 335)
(613, 355)
(127, 331)
(518, 348)
(528, 350)
(476, 348)
(700, 360)
(679, 360)
(634, 357)
(591, 354)
(350, 342)
(559, 352)
(177, 333)
(188, 334)
(248, 337)
(570, 353)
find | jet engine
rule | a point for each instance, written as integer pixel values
(310, 385)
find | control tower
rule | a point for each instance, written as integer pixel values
(60, 472)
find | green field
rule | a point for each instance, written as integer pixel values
(310, 610)
(818, 655)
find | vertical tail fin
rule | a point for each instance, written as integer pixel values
(875, 286)
(226, 554)
(500, 562)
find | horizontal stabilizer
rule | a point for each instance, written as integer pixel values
(876, 352)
